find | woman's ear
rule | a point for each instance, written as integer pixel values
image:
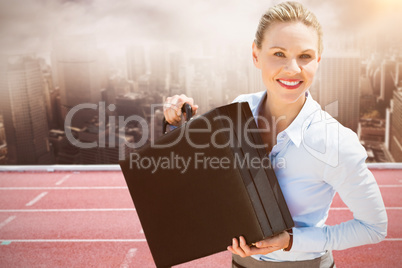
(256, 53)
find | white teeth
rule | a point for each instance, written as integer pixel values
(288, 83)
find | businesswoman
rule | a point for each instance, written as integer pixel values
(322, 157)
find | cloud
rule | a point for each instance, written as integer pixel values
(29, 25)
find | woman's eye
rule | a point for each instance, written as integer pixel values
(305, 56)
(279, 54)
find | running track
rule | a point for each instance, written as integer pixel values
(87, 219)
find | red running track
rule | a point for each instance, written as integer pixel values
(87, 219)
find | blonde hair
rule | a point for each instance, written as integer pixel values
(288, 12)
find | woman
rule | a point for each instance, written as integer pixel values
(322, 157)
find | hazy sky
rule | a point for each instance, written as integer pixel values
(28, 25)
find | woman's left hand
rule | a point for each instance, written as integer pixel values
(263, 247)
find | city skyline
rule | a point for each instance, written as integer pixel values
(359, 85)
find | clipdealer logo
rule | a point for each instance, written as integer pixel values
(148, 131)
(327, 151)
(200, 160)
(121, 126)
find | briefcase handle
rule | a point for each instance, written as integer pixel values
(186, 108)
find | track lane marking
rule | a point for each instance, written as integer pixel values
(119, 209)
(36, 199)
(116, 187)
(63, 179)
(100, 240)
(6, 221)
(129, 257)
(66, 188)
(69, 240)
(112, 187)
(346, 208)
(68, 210)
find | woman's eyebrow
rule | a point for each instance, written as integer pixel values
(281, 48)
(284, 49)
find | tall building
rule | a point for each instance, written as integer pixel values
(2, 132)
(338, 85)
(159, 68)
(398, 73)
(199, 91)
(395, 139)
(3, 144)
(79, 72)
(387, 85)
(58, 122)
(143, 84)
(367, 99)
(176, 68)
(200, 82)
(3, 154)
(136, 64)
(24, 112)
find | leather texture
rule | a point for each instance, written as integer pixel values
(193, 213)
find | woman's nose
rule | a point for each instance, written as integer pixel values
(292, 66)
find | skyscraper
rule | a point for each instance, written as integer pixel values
(24, 113)
(159, 67)
(338, 86)
(199, 82)
(395, 139)
(79, 73)
(136, 65)
(387, 85)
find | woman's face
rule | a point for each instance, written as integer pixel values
(288, 60)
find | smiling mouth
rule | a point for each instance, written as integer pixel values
(290, 84)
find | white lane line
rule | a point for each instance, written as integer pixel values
(346, 208)
(36, 199)
(6, 221)
(118, 209)
(109, 187)
(70, 240)
(393, 239)
(129, 257)
(99, 240)
(66, 188)
(63, 179)
(67, 210)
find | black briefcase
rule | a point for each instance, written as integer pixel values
(204, 183)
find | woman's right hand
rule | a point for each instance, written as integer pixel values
(172, 108)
